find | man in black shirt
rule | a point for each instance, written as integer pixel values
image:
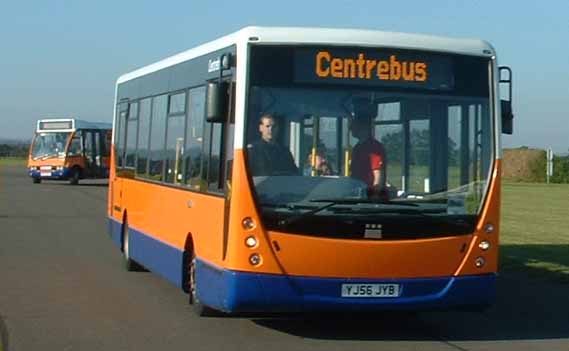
(266, 156)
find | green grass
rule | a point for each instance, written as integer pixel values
(535, 230)
(13, 161)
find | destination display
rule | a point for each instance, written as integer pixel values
(55, 125)
(379, 67)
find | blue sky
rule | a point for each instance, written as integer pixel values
(61, 58)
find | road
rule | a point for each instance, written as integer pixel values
(63, 287)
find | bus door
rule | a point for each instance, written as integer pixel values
(92, 151)
(115, 189)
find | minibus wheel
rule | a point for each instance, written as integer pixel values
(199, 308)
(130, 264)
(36, 180)
(75, 175)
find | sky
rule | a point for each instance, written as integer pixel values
(62, 58)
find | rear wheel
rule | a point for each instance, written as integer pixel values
(199, 308)
(36, 180)
(130, 264)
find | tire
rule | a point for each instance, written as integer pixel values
(130, 264)
(36, 180)
(75, 175)
(199, 308)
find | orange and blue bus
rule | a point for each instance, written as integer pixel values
(187, 202)
(69, 149)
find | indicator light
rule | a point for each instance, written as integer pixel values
(248, 223)
(480, 261)
(489, 228)
(255, 259)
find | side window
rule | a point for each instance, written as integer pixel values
(194, 137)
(143, 136)
(131, 134)
(214, 164)
(97, 141)
(175, 138)
(177, 104)
(157, 137)
(120, 133)
(88, 143)
(219, 147)
(75, 145)
(106, 142)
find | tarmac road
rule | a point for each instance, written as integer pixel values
(63, 287)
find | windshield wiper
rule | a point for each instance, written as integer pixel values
(293, 219)
(348, 201)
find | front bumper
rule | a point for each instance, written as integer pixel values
(233, 291)
(50, 174)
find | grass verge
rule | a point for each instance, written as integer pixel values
(12, 161)
(535, 230)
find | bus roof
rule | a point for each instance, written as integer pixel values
(326, 36)
(68, 125)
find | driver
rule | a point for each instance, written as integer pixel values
(266, 156)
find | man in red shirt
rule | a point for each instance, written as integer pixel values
(368, 157)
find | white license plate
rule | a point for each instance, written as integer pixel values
(371, 290)
(45, 174)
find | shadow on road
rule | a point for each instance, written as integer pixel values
(527, 308)
(104, 185)
(3, 335)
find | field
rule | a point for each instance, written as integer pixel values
(535, 230)
(6, 161)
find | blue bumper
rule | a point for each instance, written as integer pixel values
(53, 174)
(233, 291)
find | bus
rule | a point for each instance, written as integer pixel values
(187, 202)
(69, 149)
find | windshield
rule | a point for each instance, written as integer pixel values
(46, 145)
(337, 160)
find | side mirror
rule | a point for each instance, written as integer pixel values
(507, 117)
(216, 102)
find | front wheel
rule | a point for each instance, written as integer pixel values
(199, 308)
(130, 264)
(74, 177)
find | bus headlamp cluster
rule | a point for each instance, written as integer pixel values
(251, 241)
(489, 228)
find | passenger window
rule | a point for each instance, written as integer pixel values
(107, 143)
(157, 137)
(131, 131)
(75, 146)
(194, 137)
(177, 104)
(120, 133)
(174, 149)
(214, 156)
(143, 137)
